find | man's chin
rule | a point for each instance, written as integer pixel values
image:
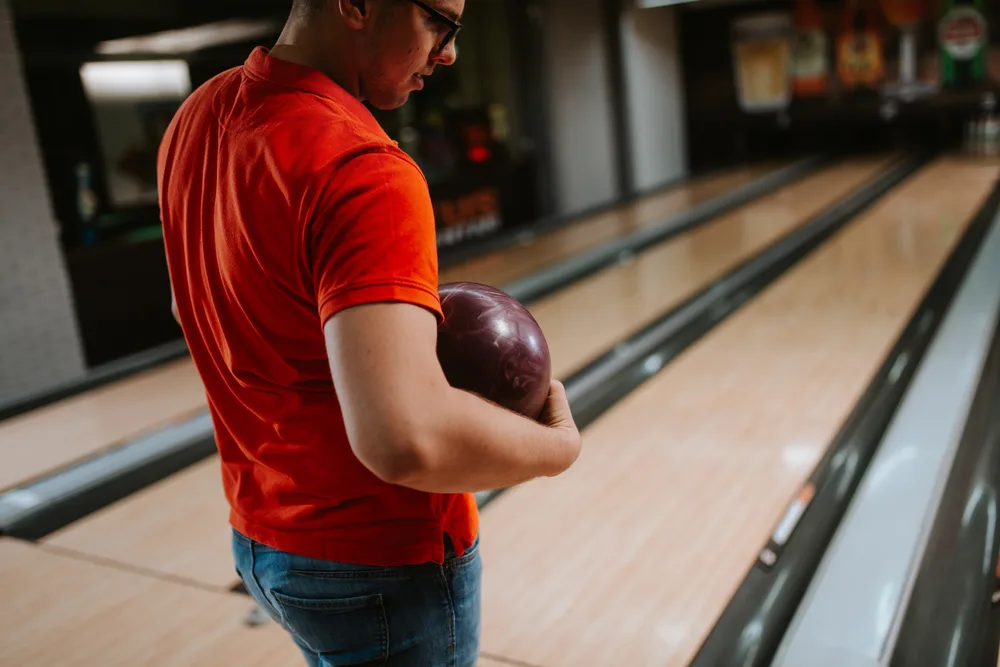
(390, 103)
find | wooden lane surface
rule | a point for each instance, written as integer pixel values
(64, 611)
(630, 557)
(179, 526)
(588, 317)
(57, 435)
(500, 661)
(507, 265)
(61, 434)
(70, 611)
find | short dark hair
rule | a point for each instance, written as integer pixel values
(308, 6)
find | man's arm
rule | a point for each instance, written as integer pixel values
(410, 427)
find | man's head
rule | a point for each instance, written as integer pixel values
(390, 45)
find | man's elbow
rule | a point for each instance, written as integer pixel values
(400, 460)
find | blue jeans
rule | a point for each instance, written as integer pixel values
(339, 614)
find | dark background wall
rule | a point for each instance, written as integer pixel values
(720, 133)
(120, 287)
(680, 106)
(39, 344)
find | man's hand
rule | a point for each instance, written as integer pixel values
(557, 415)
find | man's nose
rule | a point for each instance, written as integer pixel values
(448, 55)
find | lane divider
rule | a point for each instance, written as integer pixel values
(951, 614)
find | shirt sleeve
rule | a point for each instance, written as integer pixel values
(372, 238)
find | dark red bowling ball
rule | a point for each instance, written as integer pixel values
(490, 344)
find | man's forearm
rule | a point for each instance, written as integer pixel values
(473, 445)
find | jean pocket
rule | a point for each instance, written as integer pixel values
(470, 557)
(346, 631)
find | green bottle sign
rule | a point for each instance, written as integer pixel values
(962, 34)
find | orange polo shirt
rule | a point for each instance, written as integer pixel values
(283, 202)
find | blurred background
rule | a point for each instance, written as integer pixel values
(611, 162)
(552, 108)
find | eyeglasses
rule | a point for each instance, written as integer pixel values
(453, 25)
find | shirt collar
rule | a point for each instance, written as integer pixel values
(261, 64)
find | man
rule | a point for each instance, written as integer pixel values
(300, 243)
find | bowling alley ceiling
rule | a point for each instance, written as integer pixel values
(46, 26)
(146, 10)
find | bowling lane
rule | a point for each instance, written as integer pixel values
(630, 557)
(502, 267)
(486, 661)
(148, 528)
(56, 436)
(60, 434)
(178, 527)
(588, 317)
(65, 611)
(154, 528)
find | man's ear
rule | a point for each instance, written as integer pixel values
(355, 11)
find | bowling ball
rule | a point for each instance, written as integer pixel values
(489, 344)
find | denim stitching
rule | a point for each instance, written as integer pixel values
(449, 606)
(256, 582)
(386, 652)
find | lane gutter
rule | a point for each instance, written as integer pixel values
(953, 613)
